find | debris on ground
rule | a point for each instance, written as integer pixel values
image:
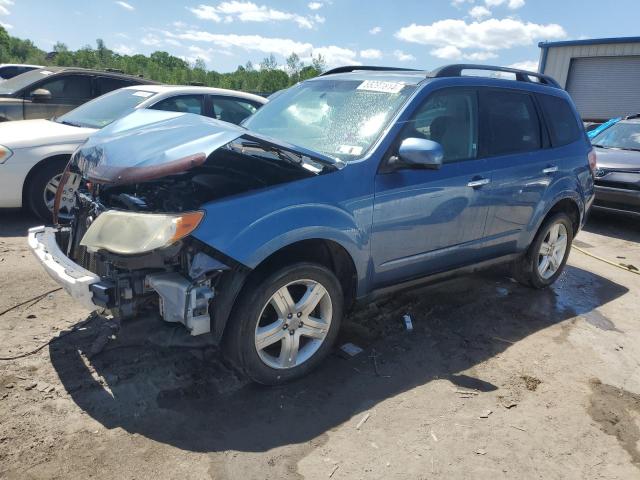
(333, 470)
(481, 451)
(486, 414)
(408, 323)
(350, 349)
(530, 382)
(363, 420)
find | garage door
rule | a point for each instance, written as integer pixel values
(605, 87)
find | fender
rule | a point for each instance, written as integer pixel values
(566, 187)
(250, 227)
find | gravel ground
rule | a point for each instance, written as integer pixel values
(496, 381)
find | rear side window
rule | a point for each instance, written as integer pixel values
(181, 103)
(560, 119)
(510, 123)
(107, 84)
(230, 109)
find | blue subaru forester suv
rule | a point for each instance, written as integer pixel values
(342, 188)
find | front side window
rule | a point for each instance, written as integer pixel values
(338, 118)
(182, 103)
(449, 118)
(561, 120)
(622, 135)
(509, 123)
(68, 87)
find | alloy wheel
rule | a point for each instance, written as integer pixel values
(293, 324)
(67, 200)
(552, 250)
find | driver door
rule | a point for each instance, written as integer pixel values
(426, 221)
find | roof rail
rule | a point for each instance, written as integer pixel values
(353, 68)
(113, 70)
(521, 75)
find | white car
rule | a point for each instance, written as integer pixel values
(33, 153)
(10, 70)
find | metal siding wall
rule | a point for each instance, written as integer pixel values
(605, 86)
(559, 58)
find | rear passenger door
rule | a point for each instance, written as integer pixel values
(514, 141)
(231, 109)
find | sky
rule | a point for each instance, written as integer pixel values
(416, 34)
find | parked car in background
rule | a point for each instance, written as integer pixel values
(596, 128)
(618, 173)
(53, 91)
(33, 153)
(342, 188)
(10, 70)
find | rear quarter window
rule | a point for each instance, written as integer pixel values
(561, 121)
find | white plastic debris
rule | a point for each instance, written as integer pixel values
(351, 349)
(408, 323)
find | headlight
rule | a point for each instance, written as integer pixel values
(132, 232)
(5, 154)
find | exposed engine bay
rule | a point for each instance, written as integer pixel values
(131, 224)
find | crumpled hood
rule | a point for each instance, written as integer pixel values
(34, 133)
(149, 144)
(616, 159)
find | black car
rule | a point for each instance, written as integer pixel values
(52, 91)
(10, 70)
(618, 173)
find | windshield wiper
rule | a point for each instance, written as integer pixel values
(66, 122)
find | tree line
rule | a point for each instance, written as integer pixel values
(164, 67)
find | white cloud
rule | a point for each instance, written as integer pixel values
(449, 52)
(375, 30)
(151, 40)
(332, 54)
(251, 12)
(511, 4)
(315, 5)
(123, 50)
(4, 10)
(490, 35)
(371, 53)
(479, 12)
(531, 65)
(196, 52)
(7, 26)
(125, 5)
(403, 57)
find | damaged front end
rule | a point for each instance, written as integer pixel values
(134, 193)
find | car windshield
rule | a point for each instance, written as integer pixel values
(625, 136)
(103, 110)
(20, 81)
(339, 118)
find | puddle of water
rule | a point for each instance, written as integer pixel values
(598, 320)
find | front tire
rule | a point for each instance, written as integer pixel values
(41, 191)
(546, 257)
(285, 323)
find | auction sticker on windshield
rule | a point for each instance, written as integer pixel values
(378, 86)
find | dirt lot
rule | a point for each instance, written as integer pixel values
(496, 381)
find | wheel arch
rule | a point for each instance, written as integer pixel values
(29, 177)
(328, 253)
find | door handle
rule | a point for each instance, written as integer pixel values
(548, 170)
(478, 183)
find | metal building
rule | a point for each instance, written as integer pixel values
(602, 75)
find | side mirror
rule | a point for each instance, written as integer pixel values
(41, 95)
(421, 152)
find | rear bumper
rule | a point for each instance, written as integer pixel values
(617, 199)
(76, 280)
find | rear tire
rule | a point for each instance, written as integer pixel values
(284, 323)
(547, 255)
(39, 192)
